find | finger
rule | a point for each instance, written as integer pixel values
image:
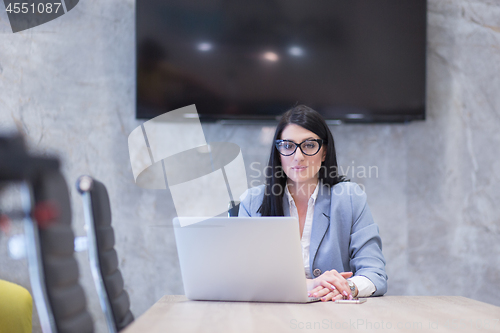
(345, 290)
(328, 297)
(346, 275)
(328, 285)
(322, 292)
(338, 297)
(344, 286)
(337, 280)
(341, 284)
(331, 295)
(315, 290)
(327, 289)
(322, 284)
(312, 292)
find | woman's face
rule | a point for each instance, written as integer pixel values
(300, 168)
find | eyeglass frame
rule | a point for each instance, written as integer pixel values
(298, 145)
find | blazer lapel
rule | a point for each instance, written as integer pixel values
(321, 221)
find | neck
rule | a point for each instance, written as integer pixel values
(302, 191)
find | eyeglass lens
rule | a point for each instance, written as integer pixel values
(308, 147)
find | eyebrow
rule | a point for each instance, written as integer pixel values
(309, 138)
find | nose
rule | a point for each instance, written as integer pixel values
(298, 155)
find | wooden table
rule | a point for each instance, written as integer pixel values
(389, 313)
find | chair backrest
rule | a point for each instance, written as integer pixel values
(114, 300)
(234, 208)
(59, 298)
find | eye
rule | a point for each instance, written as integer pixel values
(310, 144)
(287, 145)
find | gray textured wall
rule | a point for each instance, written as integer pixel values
(69, 87)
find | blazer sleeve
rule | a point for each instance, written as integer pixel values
(251, 201)
(365, 244)
(245, 205)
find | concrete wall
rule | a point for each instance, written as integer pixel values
(69, 86)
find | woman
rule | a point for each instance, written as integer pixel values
(341, 247)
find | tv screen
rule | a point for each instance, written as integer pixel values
(351, 60)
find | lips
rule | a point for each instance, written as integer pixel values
(299, 167)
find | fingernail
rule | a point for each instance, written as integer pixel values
(308, 295)
(333, 287)
(345, 293)
(350, 297)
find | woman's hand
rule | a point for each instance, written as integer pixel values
(331, 285)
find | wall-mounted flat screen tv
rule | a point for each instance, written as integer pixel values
(351, 60)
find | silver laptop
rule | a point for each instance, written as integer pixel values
(242, 259)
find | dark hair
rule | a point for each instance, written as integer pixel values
(304, 116)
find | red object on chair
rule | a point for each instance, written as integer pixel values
(46, 214)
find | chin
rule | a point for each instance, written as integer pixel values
(296, 178)
(299, 180)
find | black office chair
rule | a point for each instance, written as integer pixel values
(46, 213)
(59, 298)
(108, 279)
(234, 208)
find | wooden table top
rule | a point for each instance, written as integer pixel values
(388, 313)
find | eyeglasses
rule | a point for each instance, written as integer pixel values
(308, 147)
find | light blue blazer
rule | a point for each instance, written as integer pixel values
(343, 237)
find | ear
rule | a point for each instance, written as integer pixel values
(324, 154)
